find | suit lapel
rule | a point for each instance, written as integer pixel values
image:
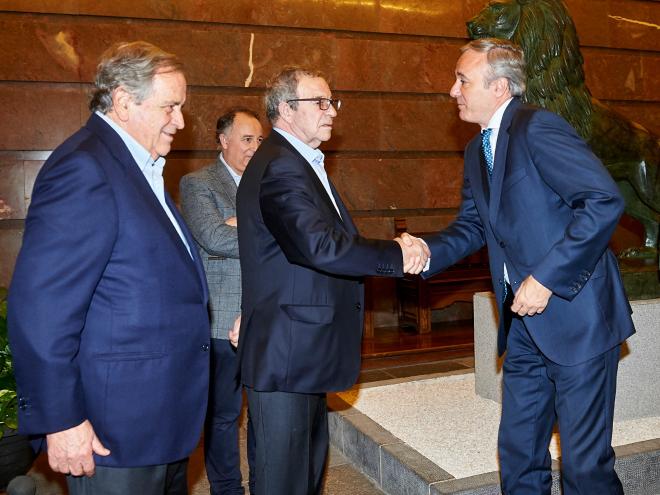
(199, 268)
(345, 216)
(476, 171)
(225, 181)
(499, 168)
(136, 179)
(320, 190)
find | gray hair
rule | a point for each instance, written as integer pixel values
(133, 67)
(505, 59)
(284, 86)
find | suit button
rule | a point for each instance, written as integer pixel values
(205, 347)
(358, 306)
(502, 244)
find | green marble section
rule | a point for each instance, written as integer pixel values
(641, 278)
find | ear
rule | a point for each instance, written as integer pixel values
(501, 87)
(286, 112)
(224, 142)
(121, 101)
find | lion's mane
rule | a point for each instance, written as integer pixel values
(555, 77)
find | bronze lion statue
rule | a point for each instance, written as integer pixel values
(555, 80)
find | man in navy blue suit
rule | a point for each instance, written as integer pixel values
(107, 307)
(545, 206)
(302, 260)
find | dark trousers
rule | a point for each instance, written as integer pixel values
(292, 441)
(536, 393)
(163, 479)
(221, 451)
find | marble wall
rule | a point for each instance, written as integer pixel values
(396, 148)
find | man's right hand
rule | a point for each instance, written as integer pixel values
(415, 253)
(232, 221)
(70, 451)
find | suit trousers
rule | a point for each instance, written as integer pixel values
(221, 451)
(163, 479)
(292, 441)
(536, 393)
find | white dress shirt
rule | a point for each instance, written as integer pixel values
(315, 158)
(494, 123)
(152, 170)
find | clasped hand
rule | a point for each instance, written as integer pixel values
(531, 298)
(415, 253)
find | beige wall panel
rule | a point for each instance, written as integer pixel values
(400, 123)
(424, 17)
(364, 123)
(622, 76)
(12, 181)
(375, 227)
(647, 114)
(428, 224)
(617, 24)
(42, 6)
(10, 244)
(391, 183)
(31, 169)
(38, 116)
(400, 66)
(67, 49)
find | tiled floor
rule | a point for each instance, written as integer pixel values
(394, 353)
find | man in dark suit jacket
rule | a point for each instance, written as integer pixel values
(301, 263)
(546, 208)
(208, 203)
(107, 307)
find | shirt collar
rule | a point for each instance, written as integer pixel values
(313, 156)
(496, 120)
(141, 156)
(234, 175)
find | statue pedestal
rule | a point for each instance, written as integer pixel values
(641, 278)
(639, 367)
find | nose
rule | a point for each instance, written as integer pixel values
(455, 92)
(177, 118)
(332, 111)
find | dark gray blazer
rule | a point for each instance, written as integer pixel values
(208, 198)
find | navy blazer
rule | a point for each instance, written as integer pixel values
(303, 298)
(107, 309)
(549, 212)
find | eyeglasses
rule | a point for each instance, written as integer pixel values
(323, 103)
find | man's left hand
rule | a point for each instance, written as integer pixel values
(532, 298)
(235, 331)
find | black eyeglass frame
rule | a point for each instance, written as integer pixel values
(321, 102)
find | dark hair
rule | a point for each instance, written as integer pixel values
(133, 67)
(284, 86)
(226, 120)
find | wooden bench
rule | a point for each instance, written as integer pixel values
(418, 297)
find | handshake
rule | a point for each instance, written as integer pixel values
(415, 253)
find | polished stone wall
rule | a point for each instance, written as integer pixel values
(397, 145)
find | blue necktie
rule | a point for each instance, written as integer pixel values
(487, 151)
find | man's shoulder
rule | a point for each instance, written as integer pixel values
(82, 146)
(207, 173)
(525, 113)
